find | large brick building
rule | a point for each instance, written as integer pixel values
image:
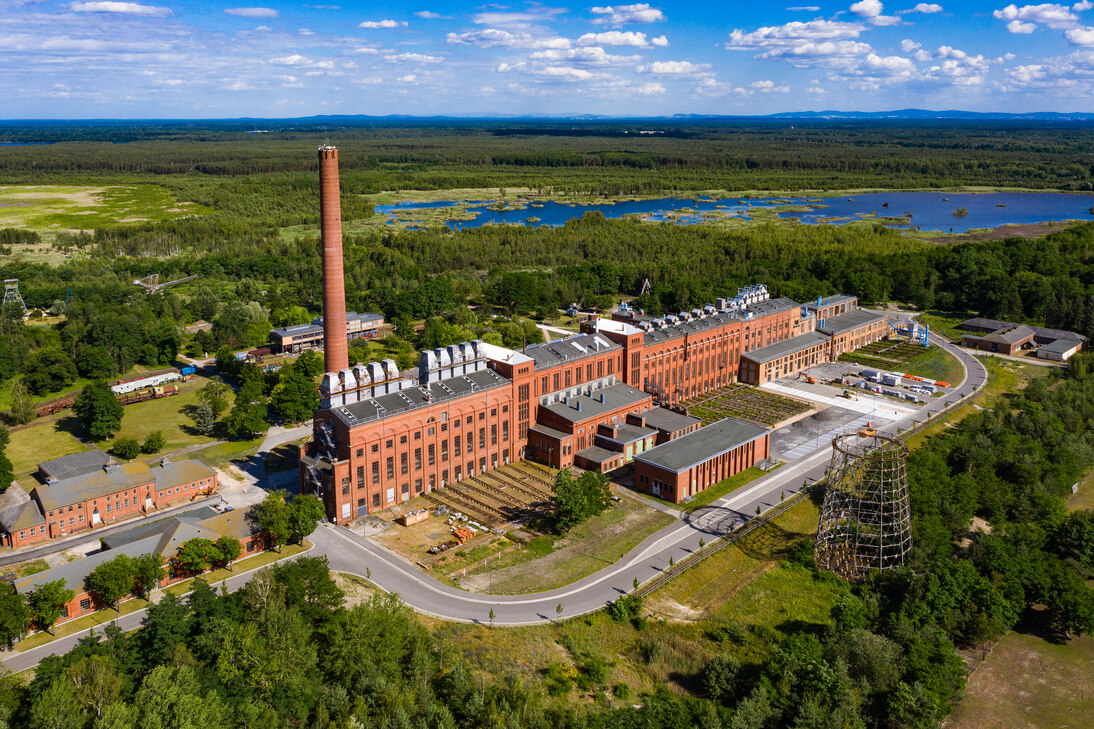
(590, 400)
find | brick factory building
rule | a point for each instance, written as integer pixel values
(83, 499)
(694, 462)
(300, 337)
(592, 400)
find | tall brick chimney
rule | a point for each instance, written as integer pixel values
(336, 356)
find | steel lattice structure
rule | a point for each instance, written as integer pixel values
(11, 295)
(865, 520)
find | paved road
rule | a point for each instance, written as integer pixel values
(91, 536)
(350, 553)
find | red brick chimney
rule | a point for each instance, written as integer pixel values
(336, 356)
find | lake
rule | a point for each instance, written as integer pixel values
(928, 210)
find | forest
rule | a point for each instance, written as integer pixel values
(287, 651)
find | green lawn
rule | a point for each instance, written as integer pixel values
(46, 438)
(945, 322)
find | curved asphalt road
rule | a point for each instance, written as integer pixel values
(390, 572)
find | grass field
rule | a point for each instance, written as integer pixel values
(51, 208)
(47, 438)
(1028, 682)
(745, 402)
(931, 362)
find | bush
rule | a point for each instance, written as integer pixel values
(154, 442)
(126, 448)
(621, 691)
(720, 678)
(628, 606)
(731, 632)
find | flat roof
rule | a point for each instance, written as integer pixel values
(549, 432)
(718, 318)
(376, 408)
(668, 420)
(596, 454)
(75, 464)
(830, 301)
(690, 450)
(557, 351)
(597, 403)
(628, 434)
(851, 320)
(785, 347)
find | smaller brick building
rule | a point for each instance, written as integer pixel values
(1007, 341)
(112, 492)
(692, 463)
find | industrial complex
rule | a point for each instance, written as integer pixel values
(599, 399)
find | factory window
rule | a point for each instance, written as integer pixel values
(482, 437)
(589, 371)
(389, 444)
(493, 460)
(482, 464)
(493, 412)
(556, 380)
(600, 368)
(432, 454)
(444, 450)
(457, 445)
(406, 490)
(345, 486)
(568, 378)
(108, 507)
(360, 452)
(375, 447)
(418, 435)
(470, 445)
(469, 420)
(505, 408)
(494, 434)
(85, 604)
(457, 473)
(611, 366)
(417, 459)
(360, 504)
(431, 431)
(577, 375)
(402, 439)
(390, 495)
(444, 427)
(64, 611)
(456, 423)
(376, 472)
(505, 431)
(470, 468)
(375, 500)
(360, 477)
(403, 466)
(482, 416)
(432, 482)
(543, 384)
(418, 486)
(390, 467)
(444, 476)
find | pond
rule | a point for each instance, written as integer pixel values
(936, 211)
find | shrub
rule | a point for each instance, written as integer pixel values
(126, 448)
(621, 691)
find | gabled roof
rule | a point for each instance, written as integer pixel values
(78, 489)
(76, 572)
(785, 347)
(74, 464)
(1062, 346)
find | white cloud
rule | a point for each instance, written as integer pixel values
(888, 65)
(252, 12)
(413, 58)
(815, 90)
(804, 9)
(1050, 14)
(238, 86)
(651, 89)
(1018, 27)
(884, 20)
(1082, 36)
(566, 73)
(615, 38)
(624, 14)
(675, 68)
(660, 41)
(408, 79)
(925, 8)
(792, 33)
(908, 45)
(382, 24)
(867, 8)
(302, 61)
(305, 31)
(592, 55)
(428, 14)
(119, 7)
(1081, 6)
(497, 38)
(769, 87)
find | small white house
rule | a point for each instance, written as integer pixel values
(1059, 349)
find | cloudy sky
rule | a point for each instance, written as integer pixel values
(181, 59)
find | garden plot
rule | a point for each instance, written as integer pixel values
(747, 403)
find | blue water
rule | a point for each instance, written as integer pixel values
(929, 210)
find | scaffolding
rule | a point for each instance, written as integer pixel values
(865, 521)
(12, 296)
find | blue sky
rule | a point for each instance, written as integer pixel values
(179, 59)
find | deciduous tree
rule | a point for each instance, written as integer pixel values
(47, 602)
(99, 411)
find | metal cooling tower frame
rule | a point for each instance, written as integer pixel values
(865, 521)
